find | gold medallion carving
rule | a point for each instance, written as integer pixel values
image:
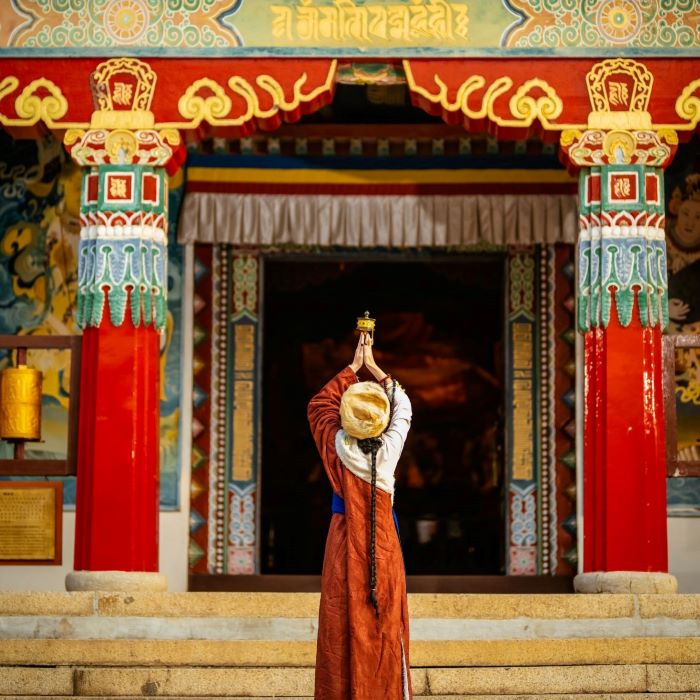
(619, 90)
(121, 145)
(122, 128)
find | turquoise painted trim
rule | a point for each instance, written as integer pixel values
(122, 205)
(125, 273)
(378, 53)
(610, 204)
(632, 268)
(136, 202)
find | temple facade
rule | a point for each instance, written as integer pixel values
(209, 193)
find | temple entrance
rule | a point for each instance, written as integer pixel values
(440, 332)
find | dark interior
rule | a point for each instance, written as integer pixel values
(439, 332)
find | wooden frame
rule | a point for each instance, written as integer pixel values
(674, 466)
(20, 466)
(57, 487)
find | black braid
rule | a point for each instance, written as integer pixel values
(371, 446)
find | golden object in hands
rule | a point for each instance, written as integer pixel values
(20, 403)
(365, 324)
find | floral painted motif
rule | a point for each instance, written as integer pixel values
(128, 271)
(619, 20)
(439, 27)
(106, 23)
(604, 23)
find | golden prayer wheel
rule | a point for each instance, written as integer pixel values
(20, 403)
(365, 324)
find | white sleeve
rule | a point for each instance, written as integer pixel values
(395, 436)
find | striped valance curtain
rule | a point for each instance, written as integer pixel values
(363, 203)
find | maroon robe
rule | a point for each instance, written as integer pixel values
(359, 656)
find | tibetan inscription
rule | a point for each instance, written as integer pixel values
(522, 400)
(243, 400)
(418, 22)
(28, 516)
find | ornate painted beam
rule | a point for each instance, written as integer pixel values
(509, 98)
(357, 28)
(238, 96)
(512, 99)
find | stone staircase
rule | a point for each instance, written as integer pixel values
(261, 645)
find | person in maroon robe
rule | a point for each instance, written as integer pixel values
(362, 648)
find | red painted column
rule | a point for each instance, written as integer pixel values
(624, 450)
(118, 450)
(622, 309)
(121, 306)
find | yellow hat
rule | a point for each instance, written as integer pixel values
(364, 410)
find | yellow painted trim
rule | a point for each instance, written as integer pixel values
(214, 109)
(356, 177)
(525, 108)
(687, 107)
(32, 109)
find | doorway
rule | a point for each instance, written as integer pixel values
(439, 332)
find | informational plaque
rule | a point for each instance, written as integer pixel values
(30, 522)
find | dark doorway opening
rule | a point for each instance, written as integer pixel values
(439, 332)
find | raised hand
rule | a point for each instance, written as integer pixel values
(371, 363)
(359, 358)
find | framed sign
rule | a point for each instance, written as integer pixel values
(30, 522)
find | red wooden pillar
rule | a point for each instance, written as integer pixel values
(118, 456)
(121, 305)
(624, 450)
(622, 309)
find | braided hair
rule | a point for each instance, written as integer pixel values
(371, 446)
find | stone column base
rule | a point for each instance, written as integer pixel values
(625, 582)
(116, 581)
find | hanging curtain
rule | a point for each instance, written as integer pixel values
(369, 221)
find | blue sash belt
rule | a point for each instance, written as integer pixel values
(338, 506)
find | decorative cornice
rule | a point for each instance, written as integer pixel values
(595, 147)
(261, 94)
(121, 146)
(526, 105)
(206, 100)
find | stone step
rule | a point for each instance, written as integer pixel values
(230, 617)
(257, 653)
(305, 605)
(555, 696)
(298, 682)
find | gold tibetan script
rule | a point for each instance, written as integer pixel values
(522, 401)
(619, 94)
(418, 21)
(122, 93)
(243, 401)
(622, 187)
(28, 523)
